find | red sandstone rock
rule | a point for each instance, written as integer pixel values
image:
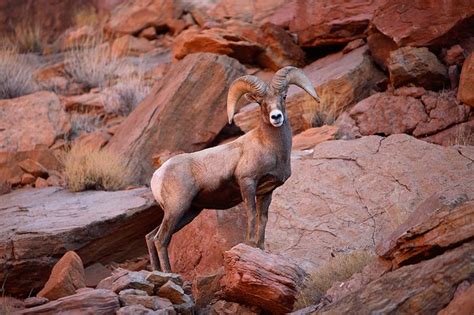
(466, 84)
(462, 304)
(135, 16)
(320, 23)
(151, 127)
(66, 277)
(380, 47)
(217, 41)
(441, 222)
(413, 25)
(27, 179)
(9, 163)
(254, 277)
(280, 50)
(100, 226)
(33, 167)
(417, 66)
(94, 140)
(313, 136)
(385, 113)
(454, 55)
(128, 45)
(30, 120)
(425, 288)
(41, 183)
(88, 302)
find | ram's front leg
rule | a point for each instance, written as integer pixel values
(263, 202)
(248, 190)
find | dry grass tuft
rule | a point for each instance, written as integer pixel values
(86, 16)
(91, 63)
(16, 74)
(87, 169)
(27, 37)
(130, 94)
(339, 268)
(330, 107)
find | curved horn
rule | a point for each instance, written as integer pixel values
(291, 75)
(242, 85)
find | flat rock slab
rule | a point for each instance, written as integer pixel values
(348, 195)
(39, 225)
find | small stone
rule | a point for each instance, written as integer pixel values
(34, 168)
(27, 179)
(67, 276)
(35, 301)
(173, 292)
(107, 282)
(133, 280)
(159, 278)
(54, 180)
(41, 183)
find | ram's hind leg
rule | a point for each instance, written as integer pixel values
(154, 260)
(174, 219)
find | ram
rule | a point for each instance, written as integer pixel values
(247, 169)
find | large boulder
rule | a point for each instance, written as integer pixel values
(387, 113)
(466, 83)
(418, 66)
(197, 249)
(340, 79)
(38, 226)
(413, 25)
(254, 277)
(349, 195)
(183, 112)
(321, 23)
(35, 119)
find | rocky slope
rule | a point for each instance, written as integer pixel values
(383, 164)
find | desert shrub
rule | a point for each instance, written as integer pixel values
(91, 63)
(328, 109)
(339, 268)
(130, 94)
(16, 74)
(86, 169)
(27, 37)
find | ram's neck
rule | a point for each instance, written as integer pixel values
(278, 137)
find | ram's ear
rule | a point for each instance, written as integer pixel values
(253, 98)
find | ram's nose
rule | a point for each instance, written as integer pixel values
(276, 118)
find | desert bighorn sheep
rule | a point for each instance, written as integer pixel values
(247, 169)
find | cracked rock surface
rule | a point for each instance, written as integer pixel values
(347, 195)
